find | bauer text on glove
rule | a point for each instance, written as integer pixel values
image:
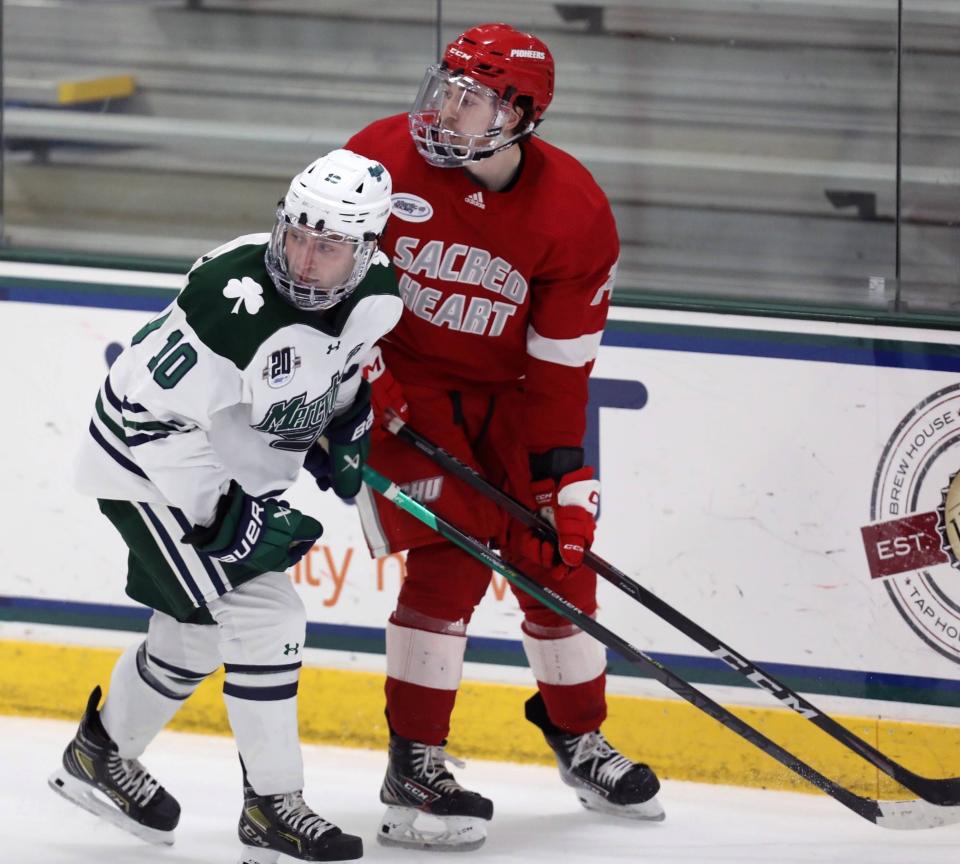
(260, 533)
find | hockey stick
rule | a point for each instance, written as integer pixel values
(888, 814)
(943, 792)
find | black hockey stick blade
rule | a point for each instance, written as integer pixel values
(900, 815)
(943, 792)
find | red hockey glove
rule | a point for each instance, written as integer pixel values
(570, 505)
(386, 395)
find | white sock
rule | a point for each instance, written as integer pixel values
(262, 628)
(141, 701)
(268, 739)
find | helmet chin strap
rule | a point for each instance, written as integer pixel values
(506, 144)
(516, 139)
(479, 156)
(486, 154)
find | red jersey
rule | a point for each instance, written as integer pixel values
(501, 289)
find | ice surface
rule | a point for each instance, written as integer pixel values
(537, 819)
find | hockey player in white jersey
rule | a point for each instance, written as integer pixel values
(202, 422)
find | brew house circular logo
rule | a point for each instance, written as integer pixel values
(913, 544)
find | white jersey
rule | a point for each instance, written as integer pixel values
(229, 382)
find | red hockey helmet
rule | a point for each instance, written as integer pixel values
(486, 75)
(517, 65)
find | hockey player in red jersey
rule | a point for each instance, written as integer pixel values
(506, 251)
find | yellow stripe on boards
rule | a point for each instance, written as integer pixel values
(346, 708)
(95, 89)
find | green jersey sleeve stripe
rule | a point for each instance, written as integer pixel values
(152, 426)
(108, 421)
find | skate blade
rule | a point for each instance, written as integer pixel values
(93, 801)
(645, 811)
(257, 855)
(431, 833)
(253, 855)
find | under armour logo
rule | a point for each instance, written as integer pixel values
(333, 347)
(291, 649)
(352, 461)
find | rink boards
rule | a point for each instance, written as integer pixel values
(746, 465)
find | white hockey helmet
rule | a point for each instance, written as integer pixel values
(327, 229)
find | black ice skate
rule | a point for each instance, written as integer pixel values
(604, 779)
(121, 791)
(419, 788)
(275, 825)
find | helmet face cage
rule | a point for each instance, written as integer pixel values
(315, 269)
(456, 119)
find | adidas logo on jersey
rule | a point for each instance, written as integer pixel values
(476, 199)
